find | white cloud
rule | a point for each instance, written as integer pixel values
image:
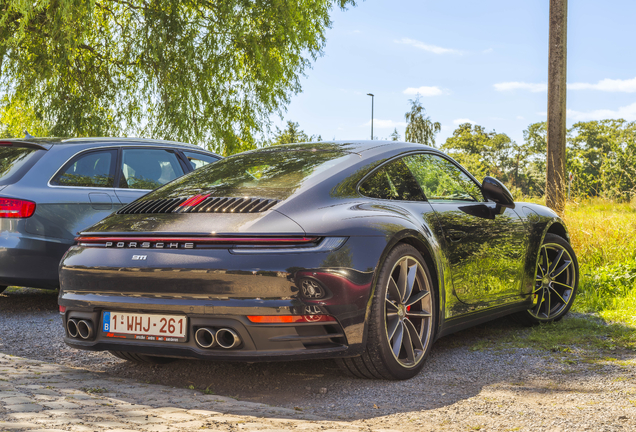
(488, 51)
(520, 118)
(627, 112)
(608, 85)
(462, 121)
(423, 91)
(516, 85)
(384, 124)
(430, 48)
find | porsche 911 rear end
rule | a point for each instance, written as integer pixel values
(213, 266)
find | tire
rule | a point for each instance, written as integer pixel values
(141, 358)
(402, 323)
(556, 282)
(2, 288)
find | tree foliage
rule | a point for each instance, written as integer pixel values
(291, 134)
(419, 127)
(207, 72)
(601, 155)
(481, 152)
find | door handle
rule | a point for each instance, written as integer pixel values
(455, 235)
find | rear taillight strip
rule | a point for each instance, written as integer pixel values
(201, 240)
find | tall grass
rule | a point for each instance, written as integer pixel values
(603, 235)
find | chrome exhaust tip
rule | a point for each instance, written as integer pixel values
(71, 328)
(205, 337)
(85, 329)
(227, 338)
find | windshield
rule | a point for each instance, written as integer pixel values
(14, 163)
(274, 173)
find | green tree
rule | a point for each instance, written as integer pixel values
(419, 127)
(602, 156)
(207, 72)
(395, 135)
(291, 134)
(17, 118)
(483, 153)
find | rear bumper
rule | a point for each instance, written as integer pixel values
(216, 289)
(28, 260)
(258, 342)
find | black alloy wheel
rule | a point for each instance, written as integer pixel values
(402, 322)
(556, 282)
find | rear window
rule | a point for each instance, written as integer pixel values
(274, 174)
(15, 162)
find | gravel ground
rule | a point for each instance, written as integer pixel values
(459, 389)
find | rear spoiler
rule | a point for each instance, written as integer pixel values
(25, 143)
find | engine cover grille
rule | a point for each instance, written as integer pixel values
(199, 204)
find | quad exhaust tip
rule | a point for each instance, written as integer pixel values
(71, 328)
(227, 338)
(205, 337)
(85, 329)
(79, 328)
(209, 338)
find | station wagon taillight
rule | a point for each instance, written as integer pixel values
(15, 208)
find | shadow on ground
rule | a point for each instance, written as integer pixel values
(458, 368)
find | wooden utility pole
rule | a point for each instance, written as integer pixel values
(557, 91)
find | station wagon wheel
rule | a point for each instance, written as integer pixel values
(402, 322)
(556, 281)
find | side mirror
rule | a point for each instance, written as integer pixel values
(494, 190)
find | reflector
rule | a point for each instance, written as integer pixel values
(278, 319)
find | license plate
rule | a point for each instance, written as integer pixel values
(149, 327)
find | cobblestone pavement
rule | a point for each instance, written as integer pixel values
(38, 396)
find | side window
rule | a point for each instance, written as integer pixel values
(92, 169)
(441, 180)
(148, 168)
(197, 160)
(393, 182)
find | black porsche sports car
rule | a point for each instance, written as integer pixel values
(365, 252)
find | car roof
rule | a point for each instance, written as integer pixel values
(365, 148)
(48, 143)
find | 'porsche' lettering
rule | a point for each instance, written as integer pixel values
(149, 245)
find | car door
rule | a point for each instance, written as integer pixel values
(82, 194)
(143, 169)
(485, 248)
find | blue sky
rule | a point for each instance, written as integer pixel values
(478, 61)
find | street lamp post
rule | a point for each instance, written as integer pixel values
(371, 94)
